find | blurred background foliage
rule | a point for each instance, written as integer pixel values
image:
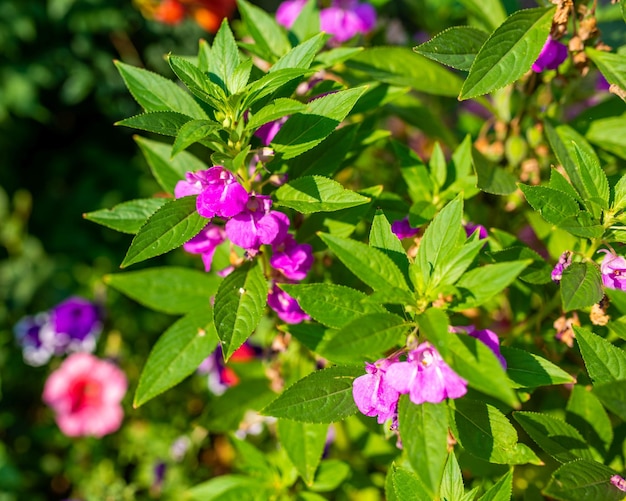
(60, 95)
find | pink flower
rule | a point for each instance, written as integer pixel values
(619, 482)
(205, 243)
(85, 393)
(286, 307)
(551, 56)
(219, 192)
(346, 18)
(372, 393)
(564, 261)
(288, 12)
(613, 269)
(257, 225)
(403, 229)
(294, 260)
(426, 377)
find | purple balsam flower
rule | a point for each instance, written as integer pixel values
(613, 269)
(257, 225)
(346, 18)
(551, 56)
(619, 482)
(403, 229)
(373, 395)
(426, 377)
(268, 131)
(285, 306)
(564, 261)
(288, 12)
(471, 228)
(205, 243)
(292, 259)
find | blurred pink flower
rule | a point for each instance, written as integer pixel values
(85, 393)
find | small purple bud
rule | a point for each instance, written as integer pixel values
(551, 56)
(403, 229)
(564, 261)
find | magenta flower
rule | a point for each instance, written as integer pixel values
(613, 269)
(219, 192)
(268, 131)
(551, 56)
(85, 394)
(292, 259)
(372, 393)
(257, 224)
(425, 376)
(288, 12)
(471, 228)
(564, 261)
(205, 243)
(619, 482)
(486, 336)
(346, 18)
(286, 307)
(403, 229)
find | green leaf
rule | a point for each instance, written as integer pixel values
(229, 488)
(166, 170)
(177, 354)
(324, 396)
(268, 35)
(307, 24)
(175, 223)
(613, 397)
(559, 439)
(198, 82)
(239, 306)
(438, 244)
(605, 362)
(558, 182)
(481, 284)
(456, 47)
(527, 370)
(167, 289)
(490, 12)
(424, 432)
(270, 83)
(167, 123)
(127, 217)
(539, 272)
(383, 239)
(302, 55)
(330, 475)
(305, 130)
(553, 205)
(612, 66)
(586, 414)
(606, 133)
(501, 490)
(367, 337)
(225, 58)
(156, 93)
(240, 77)
(583, 479)
(438, 167)
(492, 178)
(509, 52)
(193, 131)
(404, 485)
(470, 358)
(304, 444)
(331, 304)
(311, 194)
(276, 109)
(483, 431)
(581, 286)
(452, 481)
(460, 261)
(403, 67)
(370, 265)
(593, 177)
(338, 55)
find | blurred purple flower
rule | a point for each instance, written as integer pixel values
(471, 228)
(36, 337)
(551, 56)
(564, 261)
(257, 224)
(205, 243)
(220, 376)
(373, 395)
(288, 12)
(403, 229)
(613, 269)
(425, 376)
(76, 319)
(286, 307)
(292, 259)
(346, 18)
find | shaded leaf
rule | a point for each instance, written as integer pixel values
(583, 479)
(604, 361)
(317, 194)
(456, 47)
(527, 370)
(127, 217)
(304, 444)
